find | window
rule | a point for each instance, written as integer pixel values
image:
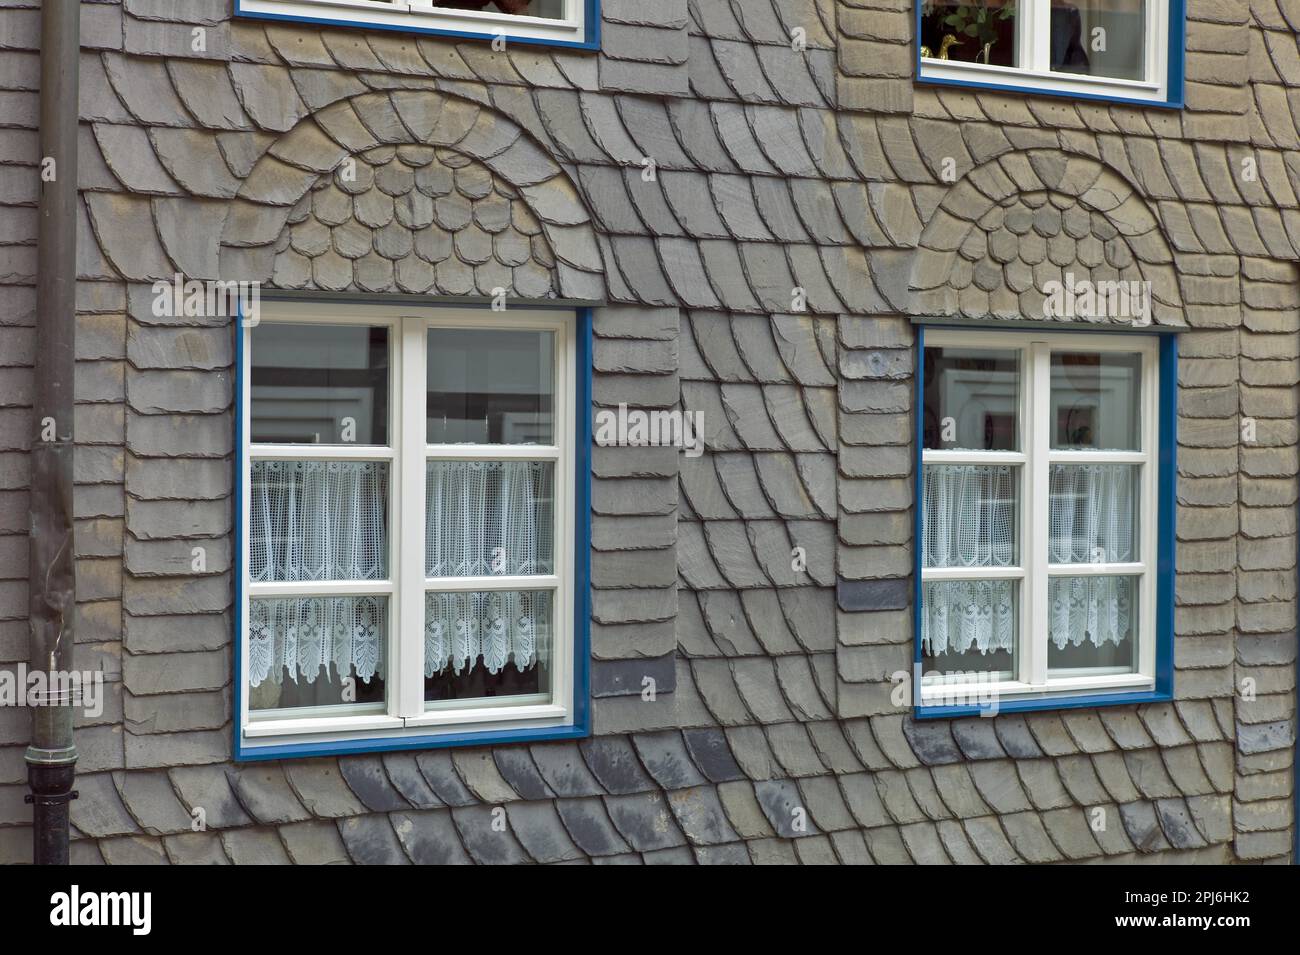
(1116, 49)
(408, 525)
(1045, 522)
(553, 22)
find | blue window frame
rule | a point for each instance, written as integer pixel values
(1124, 51)
(562, 23)
(1044, 519)
(356, 375)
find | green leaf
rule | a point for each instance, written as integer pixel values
(952, 21)
(971, 30)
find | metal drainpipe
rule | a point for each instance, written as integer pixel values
(52, 756)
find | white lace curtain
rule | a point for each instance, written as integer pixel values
(488, 518)
(303, 636)
(318, 520)
(969, 521)
(502, 627)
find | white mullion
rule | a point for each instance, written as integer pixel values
(972, 573)
(485, 584)
(1014, 458)
(492, 452)
(1132, 569)
(1097, 457)
(319, 452)
(322, 588)
(1037, 55)
(1039, 387)
(409, 645)
(245, 478)
(1148, 522)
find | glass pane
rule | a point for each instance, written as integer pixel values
(316, 651)
(489, 518)
(1100, 38)
(971, 31)
(318, 520)
(487, 644)
(1093, 513)
(319, 384)
(968, 626)
(1096, 401)
(971, 399)
(969, 515)
(1092, 623)
(488, 386)
(548, 9)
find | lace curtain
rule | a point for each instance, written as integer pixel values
(317, 520)
(302, 636)
(969, 521)
(500, 626)
(487, 518)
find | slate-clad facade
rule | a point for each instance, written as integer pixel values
(758, 222)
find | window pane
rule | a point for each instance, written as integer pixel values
(490, 387)
(319, 384)
(549, 9)
(487, 644)
(318, 520)
(969, 515)
(1100, 38)
(1091, 623)
(971, 31)
(1096, 401)
(316, 651)
(971, 399)
(968, 626)
(489, 518)
(1093, 513)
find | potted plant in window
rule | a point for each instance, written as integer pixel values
(978, 22)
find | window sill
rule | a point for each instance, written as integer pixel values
(1125, 692)
(1074, 86)
(420, 17)
(338, 746)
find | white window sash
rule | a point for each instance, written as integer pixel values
(1033, 42)
(1035, 570)
(405, 709)
(427, 15)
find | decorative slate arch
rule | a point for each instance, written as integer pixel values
(255, 228)
(1025, 219)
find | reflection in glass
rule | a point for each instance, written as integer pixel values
(1091, 623)
(489, 518)
(318, 520)
(488, 386)
(1099, 38)
(968, 625)
(1095, 401)
(971, 399)
(969, 515)
(487, 644)
(316, 651)
(319, 384)
(547, 9)
(1092, 513)
(970, 31)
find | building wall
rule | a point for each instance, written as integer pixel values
(784, 175)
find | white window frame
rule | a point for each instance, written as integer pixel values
(426, 15)
(1033, 40)
(1034, 569)
(405, 711)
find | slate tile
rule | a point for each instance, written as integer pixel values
(100, 811)
(1143, 829)
(517, 767)
(645, 821)
(590, 827)
(429, 838)
(1016, 738)
(405, 776)
(539, 829)
(562, 766)
(254, 847)
(370, 840)
(712, 754)
(665, 757)
(487, 836)
(264, 792)
(733, 853)
(150, 799)
(366, 777)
